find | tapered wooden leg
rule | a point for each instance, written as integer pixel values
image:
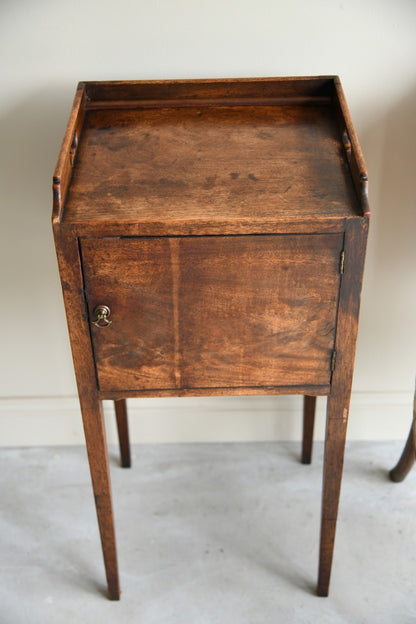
(336, 429)
(100, 475)
(309, 403)
(123, 432)
(342, 365)
(70, 267)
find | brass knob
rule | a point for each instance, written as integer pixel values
(101, 312)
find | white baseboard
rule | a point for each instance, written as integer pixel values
(57, 421)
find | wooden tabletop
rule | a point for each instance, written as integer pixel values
(225, 163)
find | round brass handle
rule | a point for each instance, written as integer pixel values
(102, 312)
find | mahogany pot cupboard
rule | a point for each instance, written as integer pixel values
(211, 236)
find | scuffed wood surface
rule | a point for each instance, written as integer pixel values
(222, 164)
(207, 312)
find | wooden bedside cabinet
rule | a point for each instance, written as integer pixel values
(211, 238)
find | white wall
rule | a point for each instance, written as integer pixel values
(47, 46)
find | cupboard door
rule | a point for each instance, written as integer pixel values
(214, 311)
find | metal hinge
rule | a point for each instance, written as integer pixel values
(342, 262)
(333, 360)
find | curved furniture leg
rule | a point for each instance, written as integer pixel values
(407, 459)
(408, 456)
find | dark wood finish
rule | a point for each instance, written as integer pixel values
(309, 403)
(120, 407)
(120, 92)
(98, 460)
(222, 226)
(338, 401)
(70, 268)
(408, 456)
(227, 391)
(212, 218)
(272, 151)
(209, 312)
(66, 160)
(138, 349)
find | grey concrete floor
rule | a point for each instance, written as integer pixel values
(207, 533)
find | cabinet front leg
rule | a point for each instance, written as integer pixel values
(92, 417)
(339, 399)
(336, 429)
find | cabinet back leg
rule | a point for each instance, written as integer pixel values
(309, 403)
(123, 432)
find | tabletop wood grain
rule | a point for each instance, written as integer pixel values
(216, 163)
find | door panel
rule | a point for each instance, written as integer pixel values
(133, 278)
(258, 310)
(215, 311)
